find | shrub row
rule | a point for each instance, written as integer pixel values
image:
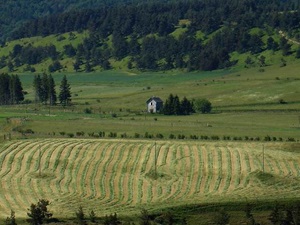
(102, 134)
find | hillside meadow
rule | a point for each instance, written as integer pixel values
(245, 103)
(115, 173)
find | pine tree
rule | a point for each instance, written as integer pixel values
(51, 89)
(37, 85)
(5, 94)
(12, 219)
(44, 89)
(80, 216)
(65, 92)
(38, 213)
(186, 107)
(92, 216)
(18, 90)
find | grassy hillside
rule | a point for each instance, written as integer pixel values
(245, 103)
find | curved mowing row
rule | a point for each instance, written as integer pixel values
(119, 175)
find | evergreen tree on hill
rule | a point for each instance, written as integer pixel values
(65, 92)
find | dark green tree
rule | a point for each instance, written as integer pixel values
(249, 62)
(56, 65)
(271, 44)
(186, 107)
(111, 219)
(11, 220)
(10, 66)
(144, 217)
(262, 61)
(92, 216)
(69, 50)
(37, 86)
(65, 92)
(80, 216)
(168, 106)
(221, 217)
(298, 53)
(51, 90)
(276, 215)
(285, 46)
(5, 91)
(44, 93)
(203, 105)
(38, 213)
(16, 88)
(77, 64)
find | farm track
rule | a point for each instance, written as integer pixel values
(118, 175)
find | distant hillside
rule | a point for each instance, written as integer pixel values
(189, 35)
(13, 13)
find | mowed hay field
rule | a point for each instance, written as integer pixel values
(110, 176)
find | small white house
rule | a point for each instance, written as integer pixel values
(154, 104)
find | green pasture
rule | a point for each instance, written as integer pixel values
(245, 103)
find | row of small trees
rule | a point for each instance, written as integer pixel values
(279, 214)
(173, 106)
(11, 90)
(44, 88)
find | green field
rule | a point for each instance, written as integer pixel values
(115, 174)
(245, 103)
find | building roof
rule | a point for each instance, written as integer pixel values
(157, 99)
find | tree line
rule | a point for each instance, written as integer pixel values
(11, 90)
(174, 106)
(279, 214)
(143, 33)
(11, 18)
(45, 92)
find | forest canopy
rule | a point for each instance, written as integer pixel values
(209, 31)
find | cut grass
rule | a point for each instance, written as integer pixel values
(116, 168)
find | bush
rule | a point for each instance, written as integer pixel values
(267, 138)
(204, 137)
(226, 138)
(172, 136)
(281, 101)
(29, 131)
(290, 139)
(70, 135)
(91, 134)
(62, 133)
(112, 134)
(87, 111)
(160, 136)
(147, 135)
(215, 138)
(80, 133)
(137, 135)
(101, 134)
(203, 106)
(181, 136)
